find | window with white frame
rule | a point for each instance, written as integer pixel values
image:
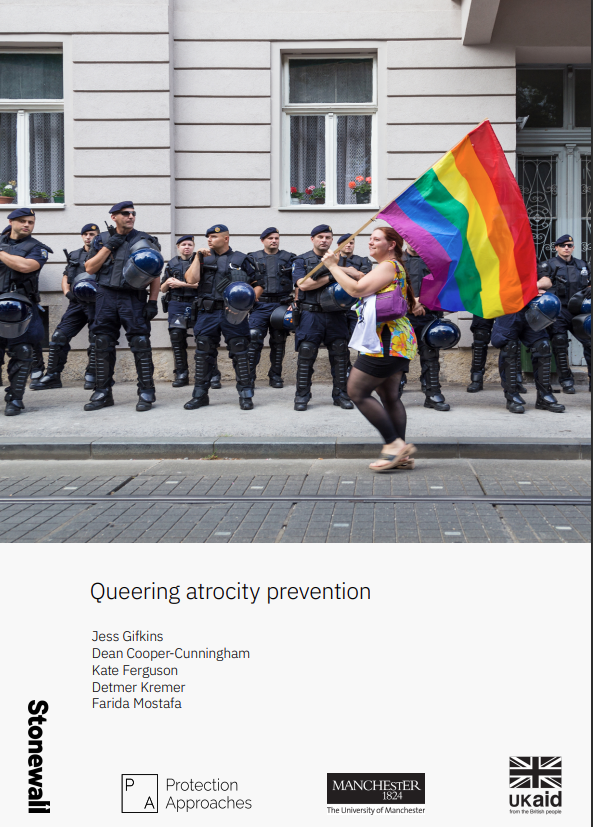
(329, 130)
(31, 128)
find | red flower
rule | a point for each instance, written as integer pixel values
(359, 178)
(293, 189)
(352, 185)
(369, 180)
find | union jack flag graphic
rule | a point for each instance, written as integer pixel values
(536, 773)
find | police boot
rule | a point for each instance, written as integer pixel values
(256, 344)
(179, 346)
(38, 368)
(90, 372)
(18, 371)
(402, 384)
(541, 356)
(140, 347)
(103, 395)
(55, 363)
(216, 381)
(479, 357)
(277, 351)
(508, 353)
(434, 397)
(239, 352)
(340, 356)
(205, 359)
(307, 354)
(565, 374)
(520, 386)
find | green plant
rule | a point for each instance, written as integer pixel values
(8, 190)
(294, 193)
(39, 195)
(58, 194)
(316, 192)
(361, 185)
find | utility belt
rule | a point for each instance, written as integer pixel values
(181, 296)
(311, 308)
(209, 305)
(130, 290)
(278, 298)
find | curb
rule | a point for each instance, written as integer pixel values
(65, 448)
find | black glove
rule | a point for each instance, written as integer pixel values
(70, 295)
(151, 309)
(114, 242)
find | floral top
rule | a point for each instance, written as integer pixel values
(403, 338)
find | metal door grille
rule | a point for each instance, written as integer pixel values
(537, 178)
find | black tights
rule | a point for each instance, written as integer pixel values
(389, 415)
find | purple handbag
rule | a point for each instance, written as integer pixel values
(391, 305)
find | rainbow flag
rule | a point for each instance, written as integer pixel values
(466, 218)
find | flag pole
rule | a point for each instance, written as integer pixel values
(374, 218)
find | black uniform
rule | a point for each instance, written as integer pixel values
(315, 328)
(21, 349)
(508, 333)
(568, 278)
(482, 332)
(274, 275)
(78, 314)
(364, 266)
(120, 305)
(417, 269)
(217, 272)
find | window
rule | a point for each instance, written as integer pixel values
(582, 94)
(554, 97)
(329, 111)
(31, 128)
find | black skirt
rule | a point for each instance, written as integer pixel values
(382, 366)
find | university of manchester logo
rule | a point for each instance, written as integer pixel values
(536, 773)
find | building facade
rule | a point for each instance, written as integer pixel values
(201, 115)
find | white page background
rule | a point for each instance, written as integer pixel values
(464, 656)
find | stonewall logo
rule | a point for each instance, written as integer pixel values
(543, 777)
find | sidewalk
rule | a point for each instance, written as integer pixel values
(56, 418)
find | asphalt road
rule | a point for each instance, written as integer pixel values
(323, 521)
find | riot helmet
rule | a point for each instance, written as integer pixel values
(334, 299)
(580, 302)
(84, 287)
(442, 333)
(277, 317)
(142, 267)
(543, 311)
(581, 326)
(16, 312)
(239, 299)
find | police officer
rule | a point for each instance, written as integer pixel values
(568, 276)
(482, 332)
(78, 314)
(2, 349)
(21, 258)
(420, 319)
(507, 334)
(355, 267)
(273, 288)
(112, 258)
(316, 327)
(212, 270)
